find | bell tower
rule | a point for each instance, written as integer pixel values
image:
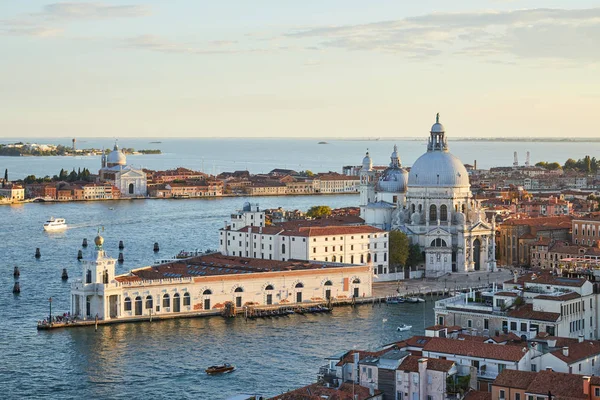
(367, 184)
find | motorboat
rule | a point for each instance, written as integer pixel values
(55, 224)
(415, 300)
(220, 369)
(404, 327)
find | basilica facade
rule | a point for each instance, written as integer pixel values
(130, 181)
(432, 203)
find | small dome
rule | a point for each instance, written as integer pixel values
(393, 180)
(367, 162)
(438, 169)
(99, 240)
(116, 157)
(437, 127)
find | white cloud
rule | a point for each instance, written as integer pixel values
(51, 20)
(534, 33)
(163, 45)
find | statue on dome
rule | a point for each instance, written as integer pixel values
(437, 118)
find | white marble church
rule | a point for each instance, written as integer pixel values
(130, 181)
(433, 205)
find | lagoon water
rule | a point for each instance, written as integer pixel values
(160, 359)
(167, 359)
(262, 155)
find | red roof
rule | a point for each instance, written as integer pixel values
(411, 364)
(579, 351)
(526, 312)
(474, 349)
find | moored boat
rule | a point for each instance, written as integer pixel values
(395, 300)
(220, 369)
(55, 224)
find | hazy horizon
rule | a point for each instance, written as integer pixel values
(342, 69)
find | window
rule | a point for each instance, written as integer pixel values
(166, 301)
(283, 248)
(486, 323)
(149, 302)
(469, 323)
(127, 304)
(501, 367)
(513, 326)
(186, 299)
(517, 396)
(533, 368)
(443, 213)
(597, 392)
(502, 394)
(432, 213)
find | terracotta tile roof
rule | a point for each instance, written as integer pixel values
(411, 364)
(349, 357)
(505, 337)
(472, 337)
(526, 312)
(418, 341)
(547, 279)
(317, 391)
(563, 221)
(334, 230)
(474, 349)
(507, 294)
(578, 351)
(511, 378)
(435, 328)
(218, 264)
(562, 297)
(477, 395)
(561, 385)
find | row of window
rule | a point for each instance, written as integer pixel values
(166, 301)
(575, 307)
(576, 326)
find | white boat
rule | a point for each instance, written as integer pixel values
(415, 300)
(404, 327)
(55, 224)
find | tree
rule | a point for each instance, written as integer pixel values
(318, 211)
(399, 249)
(415, 255)
(62, 176)
(6, 174)
(72, 176)
(30, 179)
(570, 164)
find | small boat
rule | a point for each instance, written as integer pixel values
(395, 300)
(111, 208)
(55, 224)
(220, 369)
(415, 300)
(323, 143)
(404, 327)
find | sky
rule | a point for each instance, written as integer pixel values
(310, 68)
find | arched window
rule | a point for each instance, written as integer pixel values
(186, 299)
(438, 243)
(207, 292)
(443, 213)
(138, 305)
(282, 248)
(356, 281)
(127, 304)
(166, 301)
(432, 212)
(420, 208)
(333, 258)
(412, 208)
(131, 188)
(464, 208)
(369, 257)
(238, 289)
(149, 303)
(362, 258)
(269, 287)
(299, 285)
(328, 283)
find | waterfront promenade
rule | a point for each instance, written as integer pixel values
(450, 282)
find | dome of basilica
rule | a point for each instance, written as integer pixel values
(367, 163)
(437, 167)
(116, 157)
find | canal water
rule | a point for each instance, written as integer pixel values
(168, 358)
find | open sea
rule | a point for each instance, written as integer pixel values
(167, 359)
(262, 155)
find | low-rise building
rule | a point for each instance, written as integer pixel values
(525, 385)
(247, 236)
(12, 192)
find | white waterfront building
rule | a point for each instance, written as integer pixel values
(130, 181)
(205, 284)
(247, 236)
(433, 205)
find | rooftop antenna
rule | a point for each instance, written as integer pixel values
(527, 160)
(516, 161)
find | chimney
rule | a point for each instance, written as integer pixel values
(475, 165)
(566, 351)
(580, 338)
(549, 369)
(586, 385)
(552, 343)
